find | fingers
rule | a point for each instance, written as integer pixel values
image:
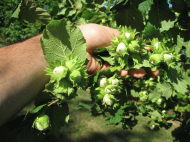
(138, 73)
(151, 73)
(104, 66)
(147, 48)
(94, 66)
(123, 73)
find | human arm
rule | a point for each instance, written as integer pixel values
(22, 66)
(22, 76)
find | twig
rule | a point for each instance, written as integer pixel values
(71, 3)
(74, 8)
(53, 102)
(97, 7)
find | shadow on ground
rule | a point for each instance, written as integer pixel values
(83, 127)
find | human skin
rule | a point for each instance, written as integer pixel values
(22, 66)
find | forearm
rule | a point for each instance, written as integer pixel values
(22, 76)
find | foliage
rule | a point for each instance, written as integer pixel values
(20, 29)
(147, 22)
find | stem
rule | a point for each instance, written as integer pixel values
(71, 3)
(53, 102)
(74, 8)
(97, 7)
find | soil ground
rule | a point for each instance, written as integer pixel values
(83, 127)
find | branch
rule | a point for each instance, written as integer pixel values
(53, 102)
(97, 7)
(74, 8)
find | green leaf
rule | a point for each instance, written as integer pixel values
(159, 12)
(23, 132)
(123, 61)
(95, 19)
(59, 117)
(151, 32)
(149, 107)
(70, 12)
(62, 11)
(43, 15)
(42, 98)
(181, 86)
(100, 3)
(187, 45)
(166, 25)
(154, 95)
(122, 2)
(145, 6)
(16, 12)
(155, 114)
(27, 11)
(130, 17)
(81, 21)
(134, 94)
(145, 63)
(87, 14)
(106, 72)
(178, 83)
(62, 38)
(50, 86)
(15, 15)
(165, 89)
(37, 109)
(82, 105)
(170, 116)
(95, 78)
(64, 86)
(172, 75)
(180, 43)
(186, 77)
(136, 58)
(78, 4)
(142, 109)
(117, 118)
(107, 59)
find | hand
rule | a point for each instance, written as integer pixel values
(98, 36)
